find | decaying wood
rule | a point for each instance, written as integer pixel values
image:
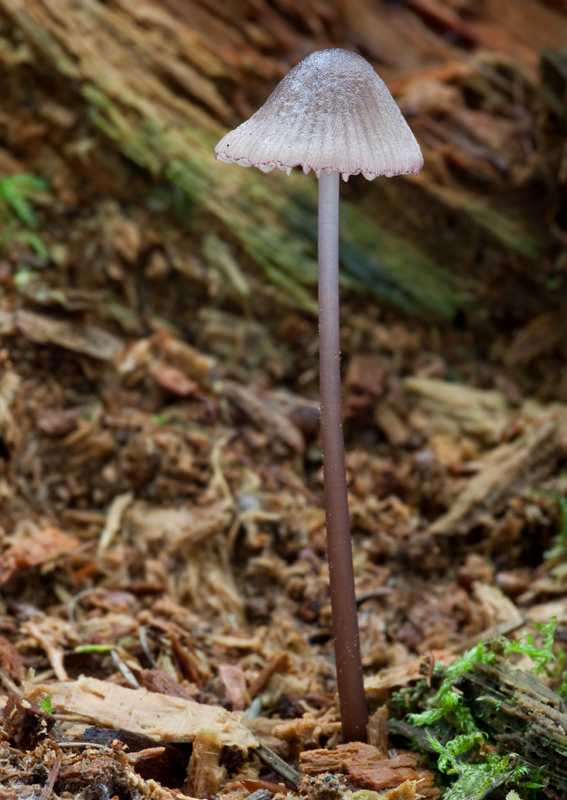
(264, 415)
(523, 714)
(95, 770)
(38, 548)
(81, 338)
(10, 660)
(162, 82)
(376, 686)
(278, 663)
(365, 767)
(178, 534)
(163, 717)
(450, 408)
(205, 773)
(24, 724)
(164, 763)
(510, 468)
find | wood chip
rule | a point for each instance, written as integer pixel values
(114, 519)
(263, 415)
(164, 718)
(23, 724)
(278, 663)
(35, 550)
(367, 768)
(76, 336)
(402, 674)
(54, 653)
(234, 682)
(173, 380)
(204, 773)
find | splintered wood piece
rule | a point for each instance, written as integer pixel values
(162, 763)
(159, 681)
(346, 756)
(79, 337)
(52, 650)
(440, 406)
(234, 682)
(114, 772)
(11, 660)
(278, 663)
(509, 469)
(315, 762)
(173, 380)
(164, 718)
(53, 773)
(264, 415)
(204, 773)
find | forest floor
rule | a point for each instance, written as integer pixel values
(165, 619)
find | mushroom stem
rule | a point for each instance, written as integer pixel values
(354, 714)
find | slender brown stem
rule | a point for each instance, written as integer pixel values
(354, 714)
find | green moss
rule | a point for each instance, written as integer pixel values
(453, 732)
(17, 195)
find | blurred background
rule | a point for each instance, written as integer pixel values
(116, 105)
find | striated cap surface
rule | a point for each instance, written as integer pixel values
(330, 112)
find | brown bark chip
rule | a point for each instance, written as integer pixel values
(365, 767)
(35, 550)
(95, 775)
(23, 724)
(159, 681)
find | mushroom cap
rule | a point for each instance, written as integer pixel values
(330, 112)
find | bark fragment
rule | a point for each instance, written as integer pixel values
(365, 767)
(24, 724)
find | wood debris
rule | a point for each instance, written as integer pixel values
(525, 714)
(402, 675)
(365, 767)
(24, 724)
(35, 550)
(205, 773)
(87, 339)
(163, 717)
(510, 468)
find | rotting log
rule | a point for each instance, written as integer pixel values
(515, 709)
(523, 715)
(159, 83)
(122, 72)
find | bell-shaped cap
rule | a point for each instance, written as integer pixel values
(331, 112)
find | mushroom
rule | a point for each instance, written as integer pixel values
(334, 115)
